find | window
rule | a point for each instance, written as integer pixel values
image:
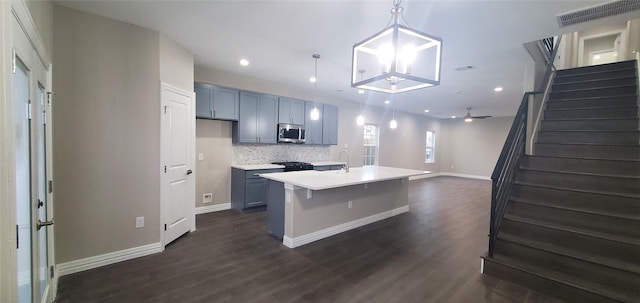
(429, 153)
(370, 144)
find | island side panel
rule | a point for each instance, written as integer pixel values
(327, 211)
(275, 208)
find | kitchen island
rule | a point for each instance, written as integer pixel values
(307, 206)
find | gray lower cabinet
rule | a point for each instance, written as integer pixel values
(327, 167)
(313, 129)
(330, 125)
(248, 189)
(215, 102)
(258, 119)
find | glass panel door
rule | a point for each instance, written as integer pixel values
(23, 179)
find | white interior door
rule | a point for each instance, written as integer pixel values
(30, 82)
(178, 178)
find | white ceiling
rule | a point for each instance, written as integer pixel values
(279, 37)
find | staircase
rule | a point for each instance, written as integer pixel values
(572, 224)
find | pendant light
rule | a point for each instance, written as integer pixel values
(407, 59)
(393, 124)
(360, 118)
(315, 112)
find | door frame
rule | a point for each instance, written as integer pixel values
(622, 52)
(8, 263)
(191, 161)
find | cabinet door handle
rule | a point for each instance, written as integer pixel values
(214, 112)
(211, 112)
(189, 172)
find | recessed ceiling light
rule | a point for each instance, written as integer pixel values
(453, 117)
(387, 102)
(361, 91)
(426, 110)
(498, 89)
(244, 62)
(313, 79)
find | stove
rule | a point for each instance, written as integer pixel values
(295, 166)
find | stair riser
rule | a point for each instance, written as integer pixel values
(597, 68)
(589, 137)
(595, 246)
(549, 287)
(620, 125)
(583, 182)
(597, 273)
(618, 112)
(594, 84)
(624, 168)
(595, 76)
(593, 222)
(627, 101)
(590, 93)
(565, 198)
(588, 151)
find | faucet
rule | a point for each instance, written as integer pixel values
(346, 165)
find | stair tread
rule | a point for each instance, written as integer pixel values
(613, 263)
(589, 130)
(562, 278)
(595, 88)
(589, 108)
(595, 80)
(579, 173)
(576, 230)
(592, 144)
(582, 210)
(591, 119)
(583, 98)
(584, 158)
(597, 192)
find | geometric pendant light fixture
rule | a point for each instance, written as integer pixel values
(405, 59)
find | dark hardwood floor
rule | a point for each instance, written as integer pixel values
(431, 254)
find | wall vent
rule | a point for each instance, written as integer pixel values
(598, 11)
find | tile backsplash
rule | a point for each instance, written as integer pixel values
(247, 154)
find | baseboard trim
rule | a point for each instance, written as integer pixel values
(107, 259)
(212, 208)
(334, 230)
(424, 176)
(465, 176)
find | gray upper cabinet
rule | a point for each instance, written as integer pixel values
(214, 102)
(291, 111)
(330, 125)
(258, 119)
(313, 129)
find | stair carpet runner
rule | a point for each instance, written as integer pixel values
(572, 225)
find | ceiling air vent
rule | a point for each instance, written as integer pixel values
(464, 68)
(598, 11)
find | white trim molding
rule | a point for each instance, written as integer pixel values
(107, 259)
(212, 208)
(334, 230)
(465, 176)
(424, 176)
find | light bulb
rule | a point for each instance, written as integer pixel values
(407, 56)
(393, 124)
(360, 120)
(385, 55)
(313, 79)
(315, 114)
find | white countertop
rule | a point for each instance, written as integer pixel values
(257, 166)
(318, 180)
(326, 163)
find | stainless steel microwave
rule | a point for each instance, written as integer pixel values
(291, 133)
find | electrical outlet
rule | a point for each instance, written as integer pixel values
(139, 222)
(350, 204)
(200, 156)
(207, 198)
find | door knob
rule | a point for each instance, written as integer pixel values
(189, 172)
(40, 224)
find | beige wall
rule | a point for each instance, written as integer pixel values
(42, 14)
(176, 64)
(473, 148)
(106, 135)
(213, 173)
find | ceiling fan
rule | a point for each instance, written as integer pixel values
(468, 117)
